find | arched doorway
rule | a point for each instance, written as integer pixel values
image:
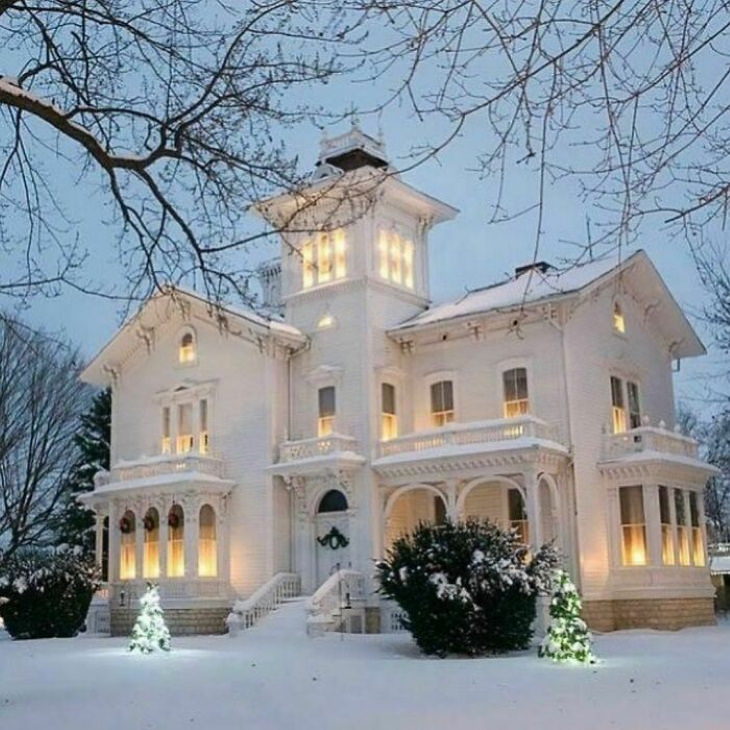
(332, 534)
(501, 502)
(410, 506)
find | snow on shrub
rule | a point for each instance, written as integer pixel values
(46, 594)
(467, 587)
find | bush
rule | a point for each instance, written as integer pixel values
(46, 594)
(467, 588)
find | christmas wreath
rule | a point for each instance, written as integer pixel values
(173, 520)
(149, 523)
(125, 525)
(334, 539)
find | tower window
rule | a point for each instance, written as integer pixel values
(186, 351)
(324, 258)
(395, 258)
(326, 420)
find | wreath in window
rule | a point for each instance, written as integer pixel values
(149, 523)
(334, 539)
(173, 520)
(125, 525)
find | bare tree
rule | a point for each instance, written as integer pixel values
(41, 398)
(627, 99)
(170, 110)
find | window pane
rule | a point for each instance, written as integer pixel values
(327, 401)
(383, 255)
(694, 513)
(664, 511)
(207, 549)
(617, 392)
(388, 392)
(516, 505)
(151, 555)
(324, 258)
(396, 270)
(633, 528)
(308, 264)
(679, 507)
(340, 254)
(128, 547)
(632, 505)
(176, 542)
(634, 410)
(408, 264)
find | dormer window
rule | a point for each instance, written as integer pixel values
(324, 258)
(395, 258)
(619, 323)
(186, 351)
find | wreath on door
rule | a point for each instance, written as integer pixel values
(334, 539)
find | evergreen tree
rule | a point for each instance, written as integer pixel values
(567, 638)
(75, 525)
(150, 631)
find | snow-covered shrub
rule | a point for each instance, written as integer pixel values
(46, 593)
(467, 587)
(567, 638)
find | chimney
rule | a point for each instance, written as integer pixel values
(540, 266)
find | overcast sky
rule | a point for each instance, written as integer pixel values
(465, 253)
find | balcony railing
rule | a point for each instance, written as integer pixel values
(314, 447)
(648, 438)
(476, 432)
(155, 466)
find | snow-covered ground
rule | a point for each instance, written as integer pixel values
(275, 677)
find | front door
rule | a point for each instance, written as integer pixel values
(332, 543)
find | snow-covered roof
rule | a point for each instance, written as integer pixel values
(531, 286)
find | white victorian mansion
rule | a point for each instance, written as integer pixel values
(255, 458)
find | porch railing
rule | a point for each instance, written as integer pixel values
(160, 465)
(322, 446)
(339, 592)
(475, 432)
(648, 438)
(267, 598)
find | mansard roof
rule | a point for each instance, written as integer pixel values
(161, 306)
(541, 284)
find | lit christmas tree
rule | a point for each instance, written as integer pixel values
(567, 638)
(150, 632)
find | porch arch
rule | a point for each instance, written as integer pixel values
(406, 508)
(551, 514)
(470, 486)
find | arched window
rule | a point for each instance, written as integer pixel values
(127, 528)
(176, 542)
(333, 501)
(186, 351)
(619, 323)
(207, 549)
(151, 557)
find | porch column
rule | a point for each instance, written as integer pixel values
(163, 506)
(653, 524)
(532, 500)
(114, 537)
(99, 541)
(139, 515)
(451, 487)
(703, 522)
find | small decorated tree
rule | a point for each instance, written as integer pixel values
(567, 638)
(150, 631)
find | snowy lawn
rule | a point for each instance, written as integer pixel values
(276, 678)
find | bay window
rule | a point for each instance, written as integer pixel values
(516, 401)
(388, 418)
(442, 402)
(326, 404)
(667, 528)
(207, 548)
(682, 527)
(698, 546)
(633, 525)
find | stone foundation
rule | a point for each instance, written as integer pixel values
(180, 621)
(667, 614)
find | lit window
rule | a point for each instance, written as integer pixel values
(207, 548)
(388, 418)
(187, 348)
(176, 542)
(665, 517)
(633, 526)
(203, 438)
(632, 390)
(518, 515)
(166, 442)
(442, 403)
(516, 402)
(151, 556)
(619, 323)
(698, 544)
(324, 258)
(618, 412)
(395, 258)
(127, 547)
(682, 527)
(185, 437)
(326, 420)
(325, 321)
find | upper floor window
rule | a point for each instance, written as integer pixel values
(324, 258)
(388, 417)
(621, 416)
(189, 430)
(203, 442)
(633, 525)
(166, 445)
(516, 401)
(326, 420)
(698, 544)
(619, 323)
(395, 258)
(186, 350)
(680, 510)
(185, 436)
(442, 402)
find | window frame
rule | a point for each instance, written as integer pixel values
(524, 403)
(193, 348)
(441, 418)
(625, 551)
(323, 258)
(388, 420)
(395, 251)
